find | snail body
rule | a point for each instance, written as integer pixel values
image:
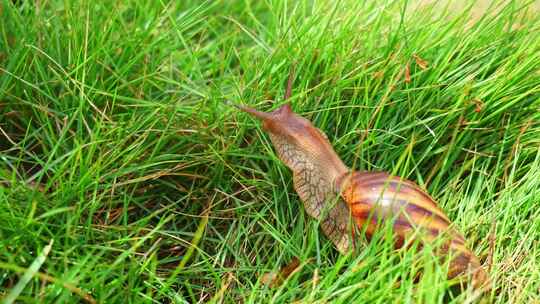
(345, 201)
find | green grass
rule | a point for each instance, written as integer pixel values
(116, 146)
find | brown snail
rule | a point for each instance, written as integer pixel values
(367, 199)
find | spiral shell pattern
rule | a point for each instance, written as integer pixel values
(375, 198)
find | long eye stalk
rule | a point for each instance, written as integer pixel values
(258, 114)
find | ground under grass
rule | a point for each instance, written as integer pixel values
(124, 178)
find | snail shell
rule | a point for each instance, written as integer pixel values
(374, 198)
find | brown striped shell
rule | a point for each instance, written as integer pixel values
(375, 198)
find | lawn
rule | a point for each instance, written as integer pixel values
(126, 178)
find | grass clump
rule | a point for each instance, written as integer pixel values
(116, 144)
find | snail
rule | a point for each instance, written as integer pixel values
(367, 199)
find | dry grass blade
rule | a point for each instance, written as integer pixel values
(218, 297)
(420, 62)
(407, 74)
(275, 279)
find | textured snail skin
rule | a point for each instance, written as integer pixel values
(338, 197)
